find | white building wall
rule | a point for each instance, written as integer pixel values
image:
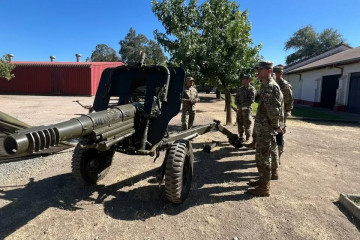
(307, 85)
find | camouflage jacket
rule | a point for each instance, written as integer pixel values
(270, 108)
(190, 96)
(245, 96)
(286, 90)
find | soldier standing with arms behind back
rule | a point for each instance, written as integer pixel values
(245, 97)
(190, 98)
(267, 125)
(286, 90)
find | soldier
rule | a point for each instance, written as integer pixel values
(245, 97)
(286, 90)
(267, 125)
(190, 97)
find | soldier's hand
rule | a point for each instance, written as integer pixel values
(279, 130)
(288, 114)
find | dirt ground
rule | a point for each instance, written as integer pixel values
(39, 198)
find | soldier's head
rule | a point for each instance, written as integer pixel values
(278, 70)
(264, 70)
(246, 79)
(189, 81)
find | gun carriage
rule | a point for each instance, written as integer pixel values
(147, 98)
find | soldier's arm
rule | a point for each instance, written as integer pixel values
(237, 102)
(288, 99)
(273, 107)
(252, 96)
(197, 96)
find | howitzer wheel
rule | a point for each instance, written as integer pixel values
(89, 165)
(179, 171)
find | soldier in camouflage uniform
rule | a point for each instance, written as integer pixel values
(245, 97)
(267, 125)
(190, 97)
(286, 90)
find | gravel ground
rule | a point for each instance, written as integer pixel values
(39, 198)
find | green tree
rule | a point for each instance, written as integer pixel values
(6, 68)
(308, 43)
(133, 44)
(211, 41)
(103, 53)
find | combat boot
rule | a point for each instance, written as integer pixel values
(274, 174)
(263, 190)
(255, 183)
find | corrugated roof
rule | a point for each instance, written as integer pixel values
(67, 64)
(341, 58)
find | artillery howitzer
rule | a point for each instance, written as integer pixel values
(147, 98)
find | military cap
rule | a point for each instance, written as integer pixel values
(278, 68)
(247, 76)
(190, 79)
(265, 64)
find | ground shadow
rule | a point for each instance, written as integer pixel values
(30, 200)
(214, 181)
(209, 99)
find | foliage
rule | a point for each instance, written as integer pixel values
(308, 43)
(6, 68)
(133, 44)
(103, 53)
(211, 41)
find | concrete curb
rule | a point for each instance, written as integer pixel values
(346, 201)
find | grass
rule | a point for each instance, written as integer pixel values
(300, 112)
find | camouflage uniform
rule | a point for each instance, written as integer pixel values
(190, 97)
(268, 118)
(245, 96)
(286, 90)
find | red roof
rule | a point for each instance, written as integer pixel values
(68, 64)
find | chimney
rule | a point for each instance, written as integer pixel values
(52, 58)
(78, 57)
(10, 57)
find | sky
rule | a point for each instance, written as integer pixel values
(33, 30)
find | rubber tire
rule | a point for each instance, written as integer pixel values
(81, 169)
(179, 171)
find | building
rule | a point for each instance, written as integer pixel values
(55, 78)
(330, 81)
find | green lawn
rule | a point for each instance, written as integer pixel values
(298, 112)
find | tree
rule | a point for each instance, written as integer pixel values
(103, 53)
(133, 44)
(308, 43)
(6, 68)
(211, 41)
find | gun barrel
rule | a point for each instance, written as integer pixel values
(35, 139)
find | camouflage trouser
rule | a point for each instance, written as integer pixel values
(244, 121)
(187, 116)
(265, 144)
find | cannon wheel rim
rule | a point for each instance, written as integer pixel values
(179, 171)
(81, 164)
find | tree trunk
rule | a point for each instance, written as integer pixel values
(228, 106)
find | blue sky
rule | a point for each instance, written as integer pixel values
(34, 30)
